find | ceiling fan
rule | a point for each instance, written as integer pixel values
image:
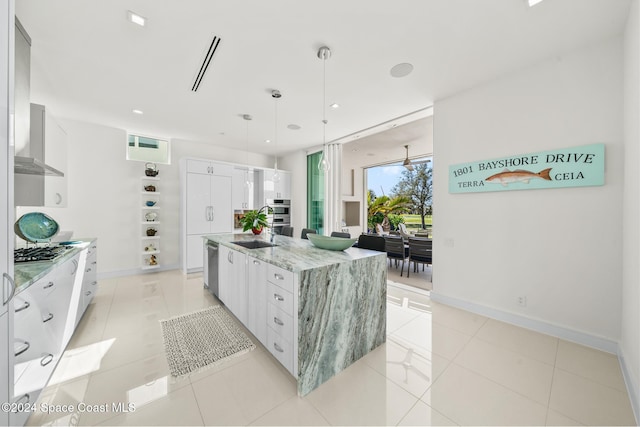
(409, 164)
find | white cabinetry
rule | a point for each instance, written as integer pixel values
(280, 189)
(257, 298)
(89, 279)
(280, 332)
(206, 207)
(243, 188)
(150, 205)
(232, 285)
(44, 322)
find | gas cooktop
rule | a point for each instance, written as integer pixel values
(39, 253)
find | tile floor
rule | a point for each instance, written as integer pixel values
(439, 366)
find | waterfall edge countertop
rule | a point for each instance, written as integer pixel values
(339, 304)
(27, 273)
(292, 253)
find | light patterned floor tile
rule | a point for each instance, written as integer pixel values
(596, 365)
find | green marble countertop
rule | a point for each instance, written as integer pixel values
(27, 273)
(292, 253)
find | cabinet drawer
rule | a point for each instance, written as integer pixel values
(280, 276)
(281, 349)
(20, 418)
(280, 298)
(280, 322)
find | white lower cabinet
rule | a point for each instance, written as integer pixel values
(261, 296)
(232, 281)
(45, 316)
(257, 298)
(5, 360)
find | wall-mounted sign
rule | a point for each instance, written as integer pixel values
(570, 167)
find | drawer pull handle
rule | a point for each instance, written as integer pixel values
(88, 270)
(24, 348)
(49, 317)
(87, 293)
(256, 262)
(94, 262)
(278, 348)
(278, 276)
(278, 297)
(24, 307)
(48, 285)
(25, 398)
(46, 360)
(94, 283)
(278, 321)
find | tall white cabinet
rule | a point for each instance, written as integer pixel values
(6, 206)
(206, 207)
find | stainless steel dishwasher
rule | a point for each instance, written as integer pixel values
(212, 270)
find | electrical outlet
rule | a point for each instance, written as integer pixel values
(522, 301)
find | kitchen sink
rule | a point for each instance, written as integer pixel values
(254, 244)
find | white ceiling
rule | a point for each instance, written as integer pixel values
(89, 63)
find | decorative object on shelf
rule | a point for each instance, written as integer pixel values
(151, 231)
(324, 53)
(150, 248)
(150, 203)
(330, 243)
(36, 227)
(254, 221)
(150, 188)
(151, 169)
(153, 260)
(150, 216)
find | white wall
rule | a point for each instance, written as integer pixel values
(560, 248)
(105, 194)
(630, 339)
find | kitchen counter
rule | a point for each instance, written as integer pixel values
(292, 253)
(339, 307)
(27, 273)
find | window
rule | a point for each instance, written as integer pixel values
(147, 149)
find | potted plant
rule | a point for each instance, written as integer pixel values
(254, 221)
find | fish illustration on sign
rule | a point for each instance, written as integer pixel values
(506, 176)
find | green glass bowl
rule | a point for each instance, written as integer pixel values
(330, 243)
(36, 227)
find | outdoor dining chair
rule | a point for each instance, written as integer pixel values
(394, 246)
(420, 251)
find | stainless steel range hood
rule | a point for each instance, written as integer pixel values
(33, 166)
(30, 153)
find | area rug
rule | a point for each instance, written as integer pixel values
(202, 339)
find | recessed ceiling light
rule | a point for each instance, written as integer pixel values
(334, 105)
(533, 2)
(138, 111)
(293, 126)
(401, 70)
(136, 19)
(267, 141)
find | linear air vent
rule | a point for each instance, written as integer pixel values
(206, 62)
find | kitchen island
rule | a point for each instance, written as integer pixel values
(323, 310)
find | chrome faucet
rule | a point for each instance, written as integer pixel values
(272, 217)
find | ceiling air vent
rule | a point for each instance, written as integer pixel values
(206, 62)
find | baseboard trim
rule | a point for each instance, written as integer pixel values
(632, 386)
(135, 271)
(528, 323)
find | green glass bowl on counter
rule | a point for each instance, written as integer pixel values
(36, 227)
(330, 243)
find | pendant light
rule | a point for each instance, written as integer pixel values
(324, 53)
(247, 183)
(275, 94)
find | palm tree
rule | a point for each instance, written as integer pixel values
(379, 208)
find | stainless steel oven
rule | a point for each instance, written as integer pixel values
(281, 215)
